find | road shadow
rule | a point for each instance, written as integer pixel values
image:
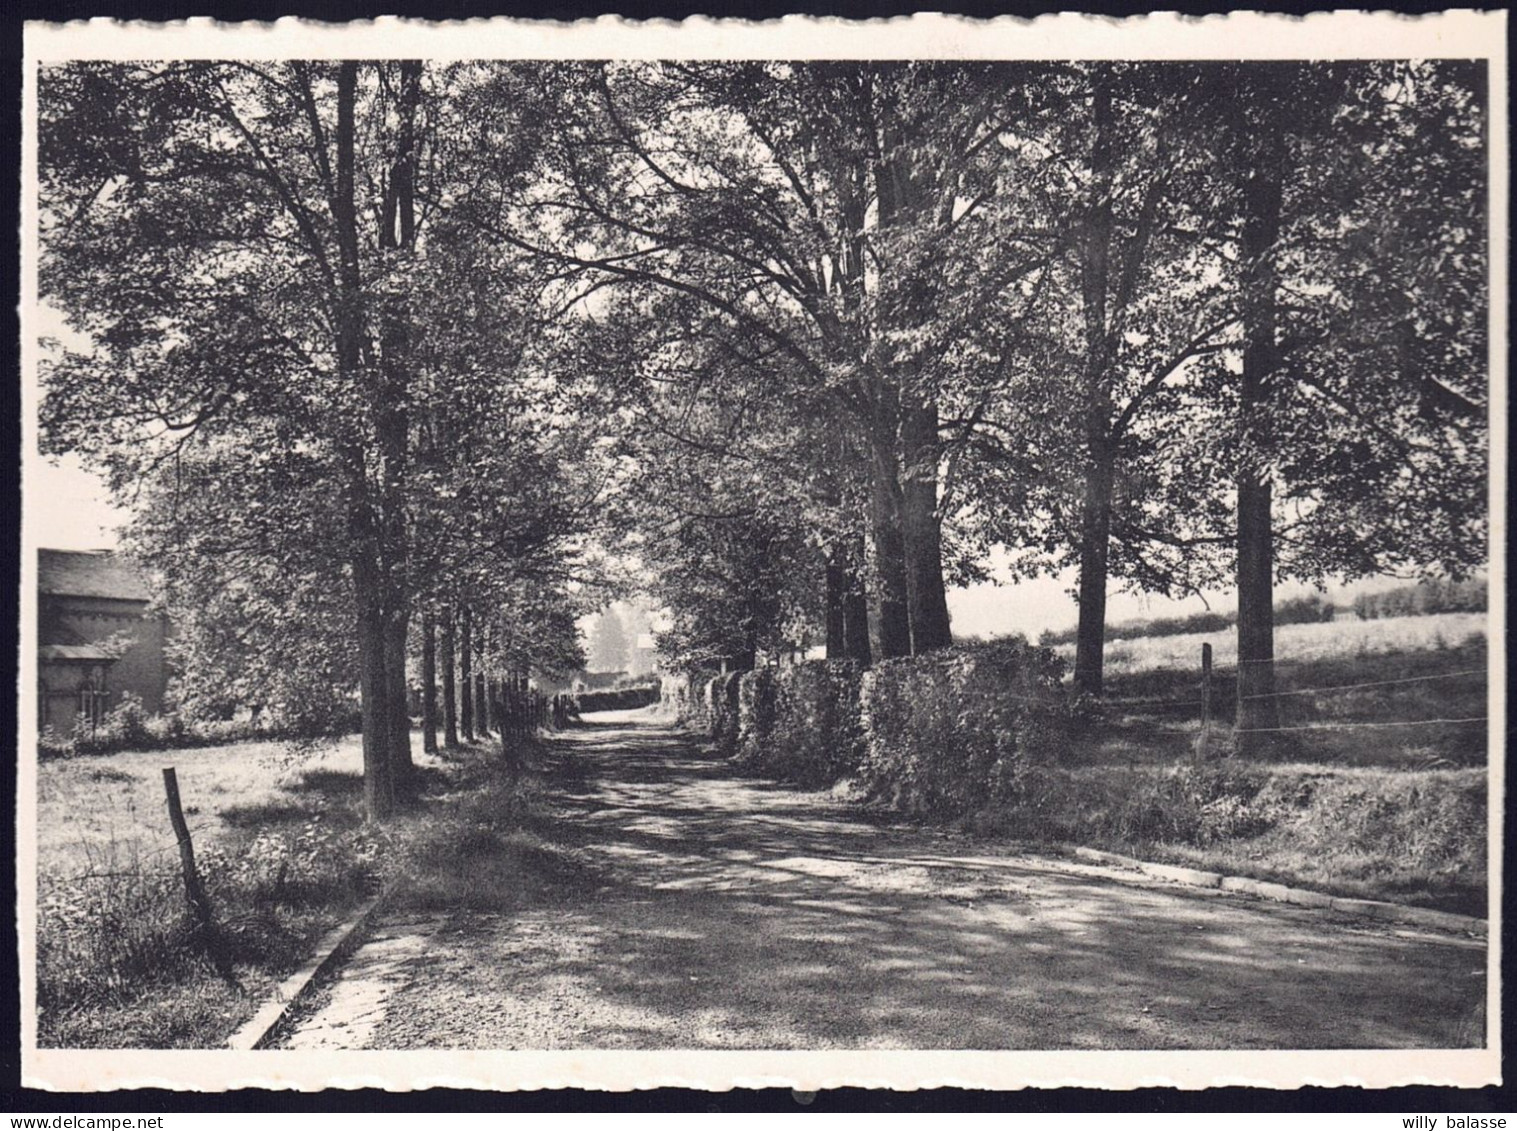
(730, 914)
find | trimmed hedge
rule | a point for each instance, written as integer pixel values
(942, 734)
(128, 726)
(617, 699)
(722, 711)
(956, 729)
(809, 730)
(755, 714)
(677, 698)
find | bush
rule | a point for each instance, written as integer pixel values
(801, 723)
(99, 937)
(123, 728)
(51, 744)
(618, 699)
(955, 729)
(710, 700)
(1310, 609)
(127, 726)
(1196, 804)
(1425, 599)
(106, 936)
(818, 735)
(755, 715)
(722, 709)
(678, 699)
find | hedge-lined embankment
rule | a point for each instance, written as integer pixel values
(936, 735)
(986, 733)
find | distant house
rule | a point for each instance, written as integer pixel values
(644, 658)
(96, 639)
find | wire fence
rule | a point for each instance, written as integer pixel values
(139, 856)
(1222, 675)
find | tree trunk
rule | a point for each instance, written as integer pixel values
(856, 624)
(892, 619)
(369, 583)
(466, 678)
(402, 769)
(1095, 546)
(852, 603)
(847, 606)
(378, 781)
(1258, 710)
(922, 536)
(1095, 516)
(428, 683)
(392, 418)
(449, 686)
(482, 716)
(837, 596)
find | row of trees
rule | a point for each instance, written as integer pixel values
(373, 341)
(327, 402)
(1167, 324)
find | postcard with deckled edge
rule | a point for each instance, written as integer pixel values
(702, 928)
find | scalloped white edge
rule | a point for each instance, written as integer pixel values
(1319, 35)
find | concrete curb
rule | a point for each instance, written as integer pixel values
(334, 946)
(1263, 889)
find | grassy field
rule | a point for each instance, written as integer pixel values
(284, 853)
(96, 813)
(1295, 643)
(1351, 693)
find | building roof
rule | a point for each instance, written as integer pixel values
(74, 654)
(92, 573)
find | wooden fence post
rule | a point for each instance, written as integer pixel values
(1205, 686)
(193, 888)
(1204, 746)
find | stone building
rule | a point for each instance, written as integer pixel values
(96, 638)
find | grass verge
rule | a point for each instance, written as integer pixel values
(1413, 837)
(285, 856)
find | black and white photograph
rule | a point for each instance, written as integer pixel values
(890, 553)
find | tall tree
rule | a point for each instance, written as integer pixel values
(608, 642)
(1361, 417)
(821, 208)
(1261, 115)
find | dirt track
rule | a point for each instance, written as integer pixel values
(731, 913)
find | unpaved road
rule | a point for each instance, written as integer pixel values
(731, 913)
